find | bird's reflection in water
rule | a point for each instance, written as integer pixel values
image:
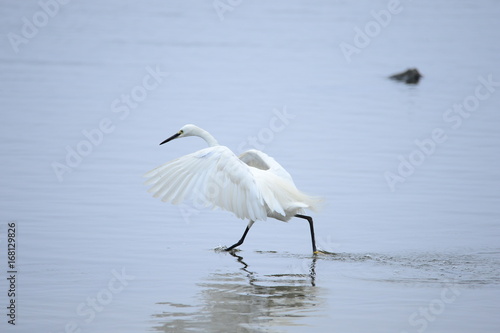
(244, 301)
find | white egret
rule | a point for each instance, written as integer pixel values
(253, 185)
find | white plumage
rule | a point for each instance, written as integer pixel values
(253, 185)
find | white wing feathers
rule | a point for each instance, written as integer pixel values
(213, 177)
(257, 159)
(253, 186)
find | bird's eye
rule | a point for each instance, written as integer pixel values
(181, 131)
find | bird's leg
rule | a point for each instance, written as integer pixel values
(242, 239)
(310, 220)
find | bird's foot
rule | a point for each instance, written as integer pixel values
(222, 248)
(231, 249)
(324, 252)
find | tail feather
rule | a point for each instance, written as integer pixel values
(282, 197)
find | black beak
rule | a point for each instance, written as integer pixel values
(171, 138)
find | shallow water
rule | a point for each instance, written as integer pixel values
(96, 253)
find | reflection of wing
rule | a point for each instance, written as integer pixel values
(213, 176)
(237, 301)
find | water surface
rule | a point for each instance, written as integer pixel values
(88, 97)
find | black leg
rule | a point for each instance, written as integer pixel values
(310, 220)
(242, 239)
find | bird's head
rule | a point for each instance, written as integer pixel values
(186, 130)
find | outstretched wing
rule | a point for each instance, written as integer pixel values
(214, 177)
(260, 160)
(276, 186)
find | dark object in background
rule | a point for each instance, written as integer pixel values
(410, 76)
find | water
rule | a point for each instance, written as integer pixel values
(96, 86)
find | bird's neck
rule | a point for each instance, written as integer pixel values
(208, 138)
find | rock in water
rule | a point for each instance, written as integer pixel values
(410, 76)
